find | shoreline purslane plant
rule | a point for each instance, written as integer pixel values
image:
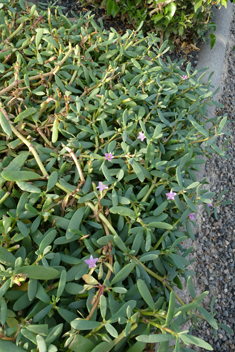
(99, 145)
(181, 21)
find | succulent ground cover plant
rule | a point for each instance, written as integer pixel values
(99, 143)
(181, 21)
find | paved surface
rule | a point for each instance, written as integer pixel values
(214, 58)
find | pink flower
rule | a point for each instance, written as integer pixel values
(209, 204)
(141, 136)
(164, 140)
(171, 195)
(109, 156)
(101, 187)
(184, 77)
(91, 262)
(191, 216)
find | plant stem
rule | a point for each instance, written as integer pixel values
(173, 333)
(122, 335)
(15, 32)
(52, 72)
(152, 314)
(158, 242)
(159, 278)
(150, 189)
(76, 162)
(174, 128)
(110, 256)
(6, 195)
(6, 239)
(29, 145)
(103, 219)
(16, 83)
(202, 140)
(96, 303)
(63, 60)
(43, 137)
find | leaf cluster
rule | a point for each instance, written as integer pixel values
(178, 20)
(72, 95)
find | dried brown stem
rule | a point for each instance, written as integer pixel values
(110, 256)
(100, 292)
(43, 137)
(76, 162)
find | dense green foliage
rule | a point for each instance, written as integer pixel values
(177, 20)
(96, 132)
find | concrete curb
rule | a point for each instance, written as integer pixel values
(214, 58)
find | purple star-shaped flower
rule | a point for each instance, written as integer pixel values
(164, 140)
(101, 187)
(109, 156)
(91, 262)
(184, 77)
(171, 195)
(191, 216)
(141, 136)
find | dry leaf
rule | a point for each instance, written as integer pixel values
(194, 47)
(183, 45)
(90, 280)
(84, 40)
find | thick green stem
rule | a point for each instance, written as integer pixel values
(63, 60)
(159, 278)
(173, 333)
(158, 242)
(15, 32)
(152, 314)
(150, 189)
(6, 195)
(122, 335)
(94, 331)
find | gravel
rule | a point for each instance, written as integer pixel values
(215, 241)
